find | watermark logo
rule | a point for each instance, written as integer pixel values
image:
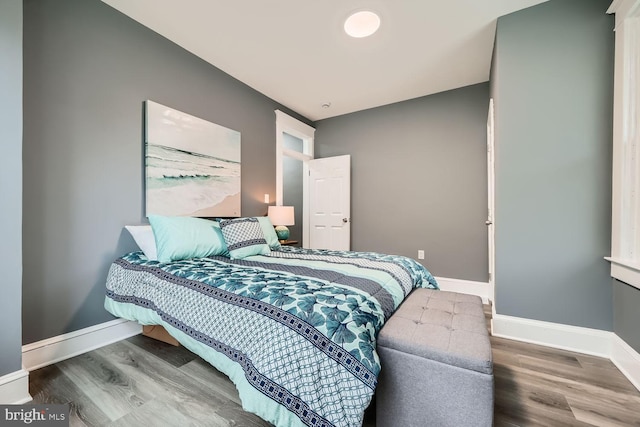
(34, 415)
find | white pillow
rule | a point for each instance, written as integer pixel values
(143, 235)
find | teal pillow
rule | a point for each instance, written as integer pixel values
(244, 237)
(269, 232)
(182, 237)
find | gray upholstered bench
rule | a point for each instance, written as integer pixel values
(436, 363)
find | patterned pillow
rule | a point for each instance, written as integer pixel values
(269, 233)
(244, 237)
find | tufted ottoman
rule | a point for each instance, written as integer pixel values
(436, 363)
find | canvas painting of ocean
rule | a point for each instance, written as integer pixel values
(192, 165)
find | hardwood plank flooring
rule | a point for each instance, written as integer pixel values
(542, 386)
(144, 382)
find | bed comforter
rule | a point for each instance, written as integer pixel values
(295, 330)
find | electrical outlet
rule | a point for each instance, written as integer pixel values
(420, 254)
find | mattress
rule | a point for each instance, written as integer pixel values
(295, 330)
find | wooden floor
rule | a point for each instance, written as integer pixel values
(143, 382)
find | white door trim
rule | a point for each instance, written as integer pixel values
(491, 202)
(287, 124)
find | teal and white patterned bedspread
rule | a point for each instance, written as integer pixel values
(295, 330)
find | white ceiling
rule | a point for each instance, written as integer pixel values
(296, 52)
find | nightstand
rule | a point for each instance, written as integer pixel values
(288, 242)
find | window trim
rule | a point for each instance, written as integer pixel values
(625, 224)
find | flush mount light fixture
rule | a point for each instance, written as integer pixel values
(362, 24)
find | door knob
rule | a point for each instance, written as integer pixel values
(345, 220)
(488, 222)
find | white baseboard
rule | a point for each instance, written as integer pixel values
(55, 349)
(482, 289)
(573, 338)
(626, 359)
(14, 388)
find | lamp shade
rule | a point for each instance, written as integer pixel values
(281, 215)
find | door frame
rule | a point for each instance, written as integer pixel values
(294, 127)
(491, 201)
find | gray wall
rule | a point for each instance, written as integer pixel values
(553, 90)
(626, 313)
(418, 178)
(292, 185)
(88, 70)
(11, 184)
(418, 168)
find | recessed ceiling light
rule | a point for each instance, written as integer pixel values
(326, 105)
(362, 24)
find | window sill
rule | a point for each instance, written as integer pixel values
(625, 271)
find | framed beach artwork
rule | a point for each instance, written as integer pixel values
(192, 166)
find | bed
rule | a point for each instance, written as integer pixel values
(294, 329)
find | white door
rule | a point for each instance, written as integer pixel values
(491, 192)
(330, 203)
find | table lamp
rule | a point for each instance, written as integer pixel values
(281, 216)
